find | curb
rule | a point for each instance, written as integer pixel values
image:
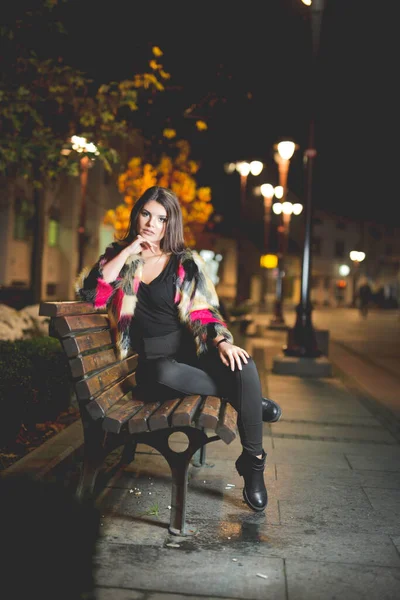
(51, 453)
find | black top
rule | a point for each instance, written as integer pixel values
(156, 313)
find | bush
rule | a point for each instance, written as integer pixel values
(15, 390)
(34, 384)
(50, 378)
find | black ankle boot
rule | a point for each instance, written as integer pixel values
(271, 411)
(251, 469)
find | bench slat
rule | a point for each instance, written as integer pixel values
(82, 343)
(184, 413)
(121, 413)
(59, 309)
(210, 413)
(93, 385)
(226, 428)
(98, 407)
(83, 365)
(160, 418)
(65, 325)
(139, 422)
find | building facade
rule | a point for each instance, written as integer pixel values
(334, 280)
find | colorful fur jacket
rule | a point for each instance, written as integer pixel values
(195, 297)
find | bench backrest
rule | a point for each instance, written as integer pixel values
(103, 383)
(100, 378)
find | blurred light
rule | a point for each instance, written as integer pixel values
(243, 168)
(344, 270)
(357, 256)
(268, 261)
(341, 283)
(229, 168)
(267, 190)
(279, 192)
(256, 167)
(207, 254)
(287, 208)
(307, 2)
(297, 208)
(277, 208)
(80, 144)
(286, 149)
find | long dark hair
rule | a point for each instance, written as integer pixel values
(173, 240)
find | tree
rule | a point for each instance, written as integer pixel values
(173, 170)
(43, 103)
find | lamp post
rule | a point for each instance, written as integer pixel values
(82, 146)
(242, 280)
(302, 340)
(356, 257)
(267, 191)
(285, 150)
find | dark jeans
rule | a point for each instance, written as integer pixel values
(207, 375)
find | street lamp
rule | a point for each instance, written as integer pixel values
(356, 257)
(285, 150)
(267, 191)
(244, 169)
(302, 340)
(82, 146)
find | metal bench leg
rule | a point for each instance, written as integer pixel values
(177, 525)
(179, 463)
(128, 454)
(199, 457)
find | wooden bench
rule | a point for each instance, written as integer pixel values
(113, 416)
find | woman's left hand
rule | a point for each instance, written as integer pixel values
(232, 355)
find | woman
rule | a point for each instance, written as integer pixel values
(163, 305)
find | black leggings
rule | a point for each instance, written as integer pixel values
(211, 377)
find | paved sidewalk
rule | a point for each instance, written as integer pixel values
(331, 529)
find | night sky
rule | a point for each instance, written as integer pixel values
(248, 72)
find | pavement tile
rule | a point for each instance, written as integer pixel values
(310, 447)
(161, 596)
(378, 462)
(356, 515)
(384, 500)
(305, 492)
(259, 537)
(137, 567)
(112, 593)
(337, 433)
(373, 479)
(314, 415)
(307, 458)
(396, 541)
(308, 580)
(331, 408)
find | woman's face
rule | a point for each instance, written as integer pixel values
(152, 221)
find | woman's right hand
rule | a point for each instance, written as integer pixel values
(140, 243)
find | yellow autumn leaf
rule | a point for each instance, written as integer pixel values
(193, 166)
(157, 51)
(165, 165)
(135, 162)
(154, 65)
(169, 133)
(204, 194)
(201, 125)
(109, 217)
